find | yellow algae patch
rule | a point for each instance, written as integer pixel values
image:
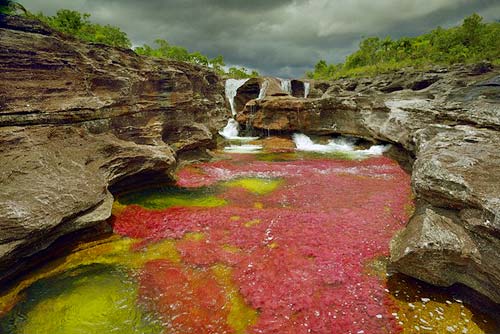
(258, 205)
(273, 245)
(117, 208)
(240, 316)
(164, 197)
(112, 251)
(235, 218)
(165, 249)
(231, 249)
(409, 208)
(194, 236)
(259, 186)
(425, 310)
(94, 299)
(252, 222)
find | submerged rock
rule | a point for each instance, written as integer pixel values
(77, 118)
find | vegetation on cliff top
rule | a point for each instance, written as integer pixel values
(473, 41)
(174, 52)
(79, 25)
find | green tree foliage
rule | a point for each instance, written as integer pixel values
(173, 52)
(77, 24)
(241, 73)
(472, 41)
(9, 7)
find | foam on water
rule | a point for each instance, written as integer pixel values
(340, 145)
(231, 131)
(245, 148)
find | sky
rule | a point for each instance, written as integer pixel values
(283, 38)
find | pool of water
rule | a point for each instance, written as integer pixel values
(275, 242)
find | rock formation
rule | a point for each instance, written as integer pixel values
(448, 121)
(77, 118)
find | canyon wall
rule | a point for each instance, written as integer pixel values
(78, 118)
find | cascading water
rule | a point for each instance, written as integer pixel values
(231, 130)
(243, 244)
(336, 145)
(232, 86)
(307, 88)
(286, 85)
(263, 90)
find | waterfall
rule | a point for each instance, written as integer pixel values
(232, 86)
(231, 130)
(336, 145)
(307, 88)
(263, 90)
(286, 85)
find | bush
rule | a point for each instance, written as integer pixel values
(77, 24)
(473, 41)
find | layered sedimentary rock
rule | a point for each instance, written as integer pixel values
(77, 118)
(448, 120)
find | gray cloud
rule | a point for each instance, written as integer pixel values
(279, 37)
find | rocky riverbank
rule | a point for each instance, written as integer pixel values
(448, 122)
(78, 118)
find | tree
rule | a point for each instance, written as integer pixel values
(198, 58)
(10, 7)
(217, 64)
(241, 73)
(79, 25)
(472, 41)
(471, 29)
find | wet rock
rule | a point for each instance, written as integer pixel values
(77, 118)
(298, 88)
(449, 121)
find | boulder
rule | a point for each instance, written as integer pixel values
(455, 236)
(77, 119)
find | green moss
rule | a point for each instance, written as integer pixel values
(259, 186)
(163, 197)
(90, 299)
(240, 316)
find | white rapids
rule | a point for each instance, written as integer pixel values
(339, 145)
(231, 131)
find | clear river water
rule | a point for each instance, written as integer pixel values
(275, 241)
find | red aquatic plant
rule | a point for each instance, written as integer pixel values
(187, 300)
(299, 253)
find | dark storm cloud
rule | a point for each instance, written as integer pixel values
(283, 37)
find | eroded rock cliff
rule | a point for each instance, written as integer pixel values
(448, 121)
(77, 118)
